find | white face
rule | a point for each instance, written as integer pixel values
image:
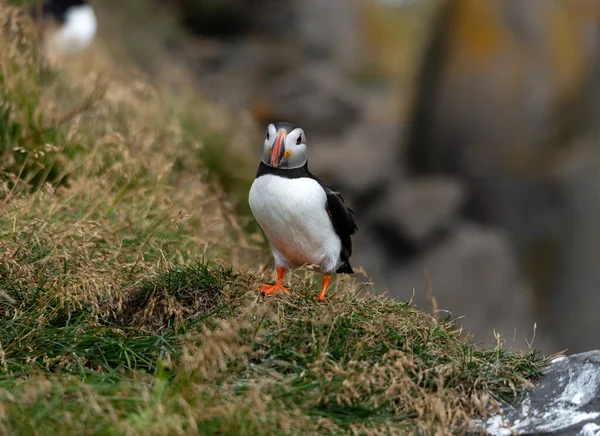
(283, 149)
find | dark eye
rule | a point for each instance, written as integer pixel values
(299, 140)
(268, 136)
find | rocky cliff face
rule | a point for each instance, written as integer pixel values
(566, 401)
(495, 182)
(491, 180)
(505, 103)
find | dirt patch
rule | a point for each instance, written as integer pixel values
(159, 310)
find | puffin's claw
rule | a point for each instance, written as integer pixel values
(274, 289)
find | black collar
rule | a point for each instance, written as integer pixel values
(288, 173)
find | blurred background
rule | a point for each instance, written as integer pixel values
(462, 132)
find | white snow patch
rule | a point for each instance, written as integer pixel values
(581, 388)
(496, 426)
(559, 359)
(555, 421)
(525, 406)
(590, 429)
(565, 418)
(577, 398)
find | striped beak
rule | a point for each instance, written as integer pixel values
(278, 148)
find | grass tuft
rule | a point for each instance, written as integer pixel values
(178, 298)
(31, 147)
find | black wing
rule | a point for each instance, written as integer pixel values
(342, 218)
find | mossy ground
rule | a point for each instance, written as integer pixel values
(128, 280)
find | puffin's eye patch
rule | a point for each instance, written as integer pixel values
(299, 140)
(268, 136)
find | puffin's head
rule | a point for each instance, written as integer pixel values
(285, 146)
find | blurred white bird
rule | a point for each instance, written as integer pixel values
(77, 24)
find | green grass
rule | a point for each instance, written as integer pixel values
(31, 150)
(199, 338)
(128, 281)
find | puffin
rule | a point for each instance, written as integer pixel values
(77, 24)
(305, 221)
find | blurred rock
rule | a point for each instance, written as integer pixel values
(273, 81)
(498, 113)
(229, 19)
(420, 208)
(575, 297)
(282, 60)
(491, 95)
(328, 30)
(316, 97)
(321, 30)
(473, 276)
(239, 73)
(505, 91)
(358, 162)
(368, 255)
(565, 401)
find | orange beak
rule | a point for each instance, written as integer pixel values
(278, 148)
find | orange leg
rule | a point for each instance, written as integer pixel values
(326, 279)
(277, 287)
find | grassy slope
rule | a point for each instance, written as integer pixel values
(120, 312)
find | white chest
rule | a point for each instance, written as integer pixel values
(293, 215)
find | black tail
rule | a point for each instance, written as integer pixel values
(345, 268)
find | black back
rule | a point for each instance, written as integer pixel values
(342, 217)
(56, 8)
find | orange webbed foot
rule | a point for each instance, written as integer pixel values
(326, 279)
(277, 287)
(274, 289)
